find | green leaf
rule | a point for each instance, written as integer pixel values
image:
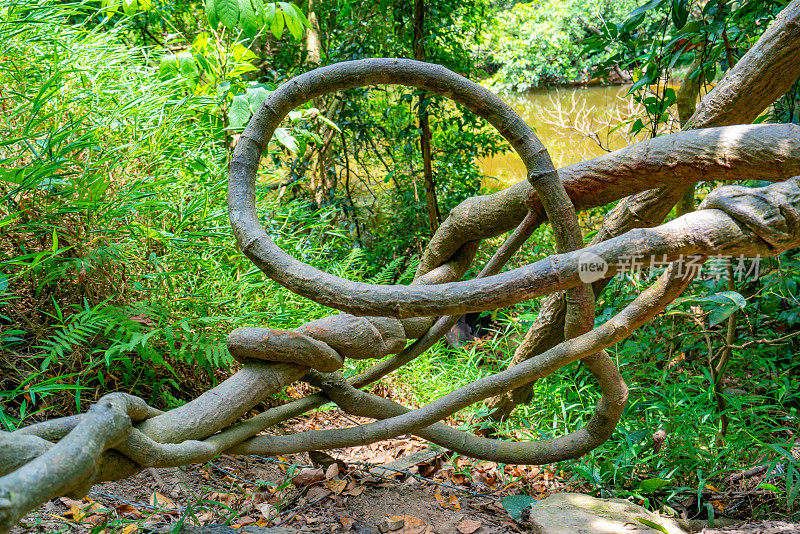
(110, 5)
(227, 12)
(14, 176)
(293, 22)
(644, 80)
(269, 14)
(299, 14)
(690, 28)
(725, 304)
(248, 18)
(516, 504)
(211, 13)
(637, 15)
(680, 13)
(276, 27)
(652, 524)
(641, 10)
(188, 68)
(261, 16)
(727, 297)
(650, 485)
(329, 122)
(286, 139)
(243, 54)
(256, 96)
(770, 487)
(678, 53)
(720, 313)
(239, 112)
(129, 7)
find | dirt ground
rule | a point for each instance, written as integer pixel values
(401, 486)
(341, 492)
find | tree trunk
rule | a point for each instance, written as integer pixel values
(434, 217)
(686, 103)
(322, 180)
(313, 42)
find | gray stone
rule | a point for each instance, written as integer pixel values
(581, 514)
(763, 527)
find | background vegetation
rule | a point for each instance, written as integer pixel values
(118, 270)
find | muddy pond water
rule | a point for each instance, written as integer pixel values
(572, 122)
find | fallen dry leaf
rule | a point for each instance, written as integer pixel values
(244, 521)
(161, 501)
(308, 476)
(224, 498)
(96, 519)
(324, 460)
(468, 526)
(451, 502)
(127, 510)
(413, 525)
(285, 465)
(458, 478)
(128, 529)
(487, 478)
(69, 503)
(355, 492)
(142, 319)
(317, 493)
(347, 522)
(391, 523)
(76, 512)
(205, 517)
(267, 510)
(332, 471)
(79, 510)
(337, 486)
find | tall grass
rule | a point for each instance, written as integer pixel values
(118, 271)
(118, 268)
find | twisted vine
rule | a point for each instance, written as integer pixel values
(121, 434)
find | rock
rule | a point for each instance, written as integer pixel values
(390, 523)
(581, 514)
(764, 527)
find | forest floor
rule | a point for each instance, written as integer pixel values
(355, 490)
(404, 485)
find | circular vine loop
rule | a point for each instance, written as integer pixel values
(356, 297)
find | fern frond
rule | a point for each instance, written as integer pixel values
(407, 276)
(389, 273)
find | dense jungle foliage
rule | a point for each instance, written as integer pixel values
(119, 271)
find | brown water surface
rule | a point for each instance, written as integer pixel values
(565, 119)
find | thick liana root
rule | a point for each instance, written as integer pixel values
(322, 344)
(121, 435)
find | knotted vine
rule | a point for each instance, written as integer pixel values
(121, 435)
